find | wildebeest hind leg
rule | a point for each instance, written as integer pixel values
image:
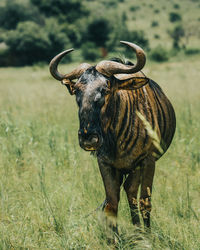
(148, 169)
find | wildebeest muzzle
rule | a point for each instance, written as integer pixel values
(89, 140)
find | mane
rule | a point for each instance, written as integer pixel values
(121, 60)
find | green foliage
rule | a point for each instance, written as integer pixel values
(176, 34)
(120, 31)
(174, 17)
(89, 51)
(157, 36)
(110, 4)
(192, 51)
(6, 58)
(31, 43)
(176, 6)
(69, 10)
(159, 54)
(156, 11)
(98, 32)
(28, 42)
(124, 17)
(1, 35)
(14, 12)
(79, 22)
(58, 38)
(134, 8)
(137, 37)
(74, 34)
(154, 23)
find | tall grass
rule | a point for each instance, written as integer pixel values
(49, 187)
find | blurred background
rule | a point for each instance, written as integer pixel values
(33, 31)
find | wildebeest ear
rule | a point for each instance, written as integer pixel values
(133, 83)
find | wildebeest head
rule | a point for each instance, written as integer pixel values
(93, 84)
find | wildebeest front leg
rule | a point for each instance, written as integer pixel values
(148, 169)
(131, 187)
(112, 179)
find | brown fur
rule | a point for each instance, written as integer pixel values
(135, 151)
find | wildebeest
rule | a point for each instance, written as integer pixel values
(127, 120)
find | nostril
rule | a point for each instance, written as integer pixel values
(90, 141)
(89, 137)
(94, 138)
(83, 132)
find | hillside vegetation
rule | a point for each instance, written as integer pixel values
(31, 31)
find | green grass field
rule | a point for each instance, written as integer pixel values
(48, 184)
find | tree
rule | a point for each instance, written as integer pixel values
(120, 31)
(174, 17)
(159, 54)
(65, 10)
(13, 13)
(176, 34)
(30, 43)
(98, 32)
(191, 29)
(89, 51)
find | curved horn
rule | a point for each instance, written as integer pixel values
(53, 67)
(110, 68)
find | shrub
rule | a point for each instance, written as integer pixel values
(176, 34)
(57, 37)
(134, 8)
(192, 51)
(174, 17)
(159, 54)
(5, 58)
(13, 13)
(156, 36)
(154, 23)
(74, 34)
(176, 6)
(98, 32)
(30, 43)
(156, 11)
(110, 3)
(69, 10)
(121, 32)
(89, 51)
(138, 37)
(124, 17)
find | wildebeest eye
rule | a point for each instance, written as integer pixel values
(107, 91)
